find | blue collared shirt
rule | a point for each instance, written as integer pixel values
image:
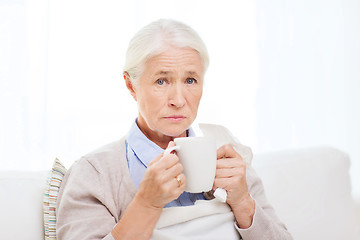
(140, 151)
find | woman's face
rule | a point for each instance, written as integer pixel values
(168, 93)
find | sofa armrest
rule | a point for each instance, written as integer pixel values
(357, 207)
(21, 195)
(310, 191)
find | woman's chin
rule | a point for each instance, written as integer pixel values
(175, 134)
(176, 131)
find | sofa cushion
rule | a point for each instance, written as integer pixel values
(51, 191)
(310, 191)
(21, 205)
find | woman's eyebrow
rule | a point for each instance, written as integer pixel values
(192, 73)
(161, 72)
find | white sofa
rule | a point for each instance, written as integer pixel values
(309, 188)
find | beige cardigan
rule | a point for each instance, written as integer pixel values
(97, 189)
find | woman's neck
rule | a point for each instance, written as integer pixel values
(158, 138)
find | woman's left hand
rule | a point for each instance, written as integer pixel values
(231, 176)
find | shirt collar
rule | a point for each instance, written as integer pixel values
(145, 149)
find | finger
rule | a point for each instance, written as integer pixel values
(223, 183)
(177, 182)
(226, 151)
(163, 181)
(230, 163)
(170, 161)
(173, 172)
(175, 186)
(170, 145)
(181, 180)
(227, 173)
(165, 170)
(164, 162)
(155, 160)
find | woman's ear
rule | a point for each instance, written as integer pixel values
(129, 84)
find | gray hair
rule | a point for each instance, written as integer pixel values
(155, 38)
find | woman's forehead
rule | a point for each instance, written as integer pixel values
(173, 58)
(162, 73)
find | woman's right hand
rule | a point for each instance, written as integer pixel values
(160, 184)
(158, 187)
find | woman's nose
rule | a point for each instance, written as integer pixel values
(176, 96)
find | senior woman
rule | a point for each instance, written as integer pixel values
(121, 190)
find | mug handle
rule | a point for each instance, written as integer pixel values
(170, 149)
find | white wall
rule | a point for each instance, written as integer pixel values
(283, 74)
(309, 80)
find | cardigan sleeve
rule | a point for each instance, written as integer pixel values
(82, 212)
(266, 224)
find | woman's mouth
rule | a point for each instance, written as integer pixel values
(175, 118)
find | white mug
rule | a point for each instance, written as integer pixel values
(198, 157)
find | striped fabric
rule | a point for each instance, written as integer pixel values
(50, 196)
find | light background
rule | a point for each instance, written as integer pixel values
(283, 74)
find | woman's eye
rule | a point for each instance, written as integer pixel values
(160, 81)
(190, 81)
